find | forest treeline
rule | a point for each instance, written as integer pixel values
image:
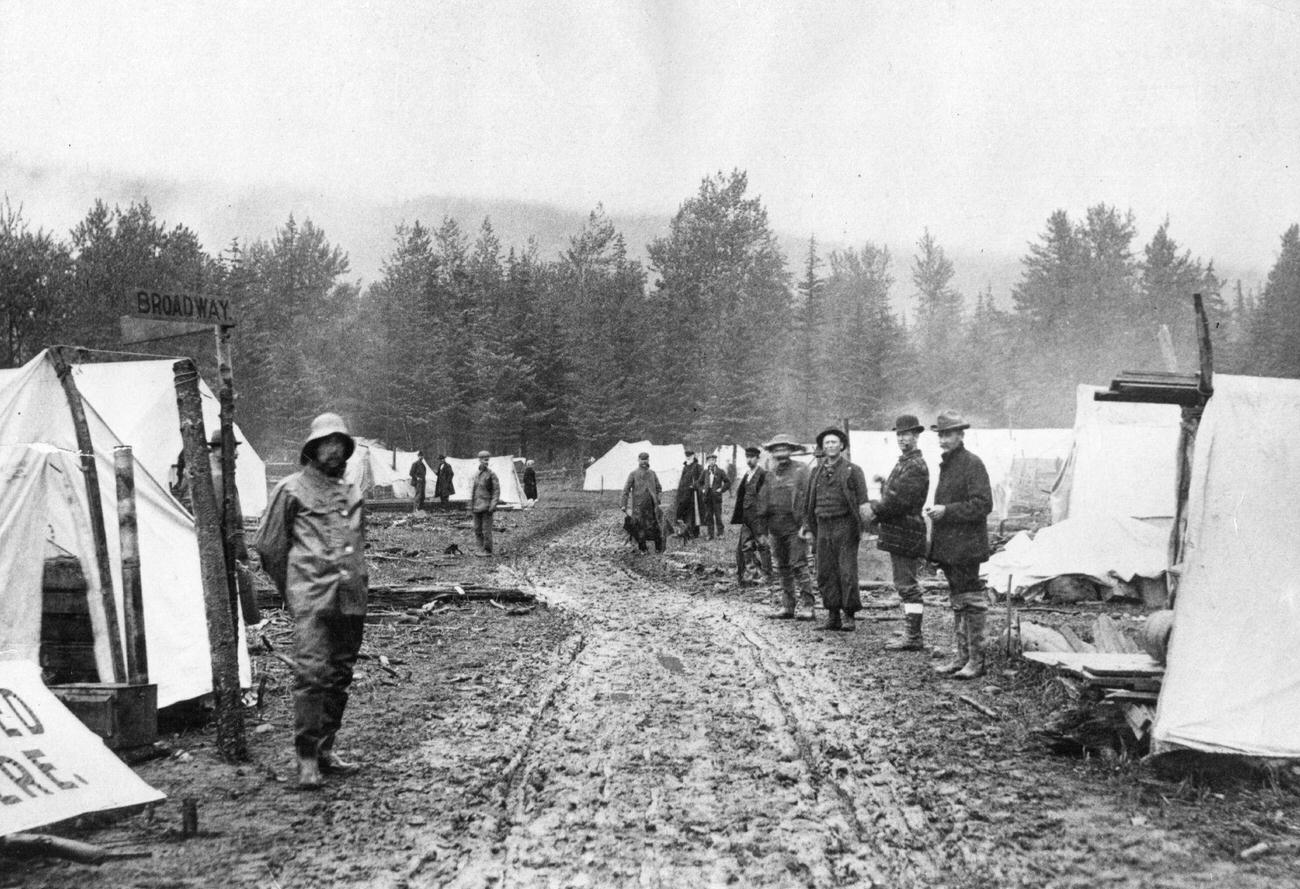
(464, 342)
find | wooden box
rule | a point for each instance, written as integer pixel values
(123, 715)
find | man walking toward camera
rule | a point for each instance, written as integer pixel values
(484, 496)
(962, 502)
(312, 544)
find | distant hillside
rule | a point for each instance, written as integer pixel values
(364, 227)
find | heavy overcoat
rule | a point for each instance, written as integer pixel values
(751, 501)
(962, 534)
(898, 511)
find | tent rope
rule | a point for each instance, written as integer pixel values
(118, 352)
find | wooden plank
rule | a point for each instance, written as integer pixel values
(1109, 637)
(1075, 642)
(1100, 663)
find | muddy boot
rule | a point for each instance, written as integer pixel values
(309, 777)
(786, 611)
(848, 625)
(832, 620)
(808, 611)
(333, 764)
(963, 652)
(975, 643)
(911, 638)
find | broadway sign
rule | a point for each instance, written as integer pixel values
(191, 308)
(51, 766)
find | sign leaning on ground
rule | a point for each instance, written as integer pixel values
(51, 766)
(188, 308)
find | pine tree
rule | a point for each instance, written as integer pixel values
(940, 318)
(1275, 328)
(35, 277)
(867, 357)
(805, 354)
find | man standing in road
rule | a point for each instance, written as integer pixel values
(833, 518)
(713, 483)
(530, 481)
(418, 474)
(312, 544)
(750, 513)
(442, 476)
(688, 498)
(960, 542)
(484, 496)
(786, 488)
(901, 528)
(640, 503)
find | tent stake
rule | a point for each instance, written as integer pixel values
(137, 656)
(91, 471)
(231, 741)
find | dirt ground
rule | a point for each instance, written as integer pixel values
(650, 728)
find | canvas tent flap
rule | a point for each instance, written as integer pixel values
(1123, 460)
(137, 399)
(1101, 547)
(34, 415)
(1232, 683)
(464, 470)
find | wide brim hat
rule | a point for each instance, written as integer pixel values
(783, 439)
(324, 426)
(908, 423)
(949, 421)
(844, 438)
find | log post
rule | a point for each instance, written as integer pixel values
(137, 655)
(232, 529)
(89, 468)
(231, 741)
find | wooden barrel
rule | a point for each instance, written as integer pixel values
(1155, 634)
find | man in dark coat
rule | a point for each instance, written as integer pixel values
(833, 517)
(442, 476)
(960, 541)
(784, 491)
(418, 475)
(750, 513)
(530, 481)
(640, 504)
(484, 497)
(713, 483)
(901, 530)
(688, 497)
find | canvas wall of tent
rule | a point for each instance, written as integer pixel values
(44, 512)
(378, 470)
(610, 472)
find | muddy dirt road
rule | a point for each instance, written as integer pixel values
(652, 729)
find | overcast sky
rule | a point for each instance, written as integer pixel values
(856, 121)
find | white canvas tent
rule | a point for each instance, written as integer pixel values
(610, 472)
(43, 505)
(1122, 461)
(464, 470)
(371, 465)
(137, 399)
(1232, 681)
(1000, 449)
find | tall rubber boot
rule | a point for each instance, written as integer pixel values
(975, 642)
(849, 624)
(911, 640)
(963, 648)
(832, 620)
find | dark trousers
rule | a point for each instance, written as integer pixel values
(711, 514)
(790, 557)
(837, 564)
(325, 646)
(748, 542)
(688, 512)
(483, 530)
(419, 495)
(905, 569)
(966, 591)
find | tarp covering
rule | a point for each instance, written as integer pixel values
(42, 487)
(1123, 460)
(1000, 450)
(137, 399)
(1232, 683)
(1101, 547)
(610, 472)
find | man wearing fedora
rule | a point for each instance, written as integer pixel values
(783, 507)
(750, 513)
(312, 544)
(901, 530)
(960, 541)
(834, 512)
(484, 496)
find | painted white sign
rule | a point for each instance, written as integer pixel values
(51, 766)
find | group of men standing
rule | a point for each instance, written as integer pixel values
(791, 513)
(442, 479)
